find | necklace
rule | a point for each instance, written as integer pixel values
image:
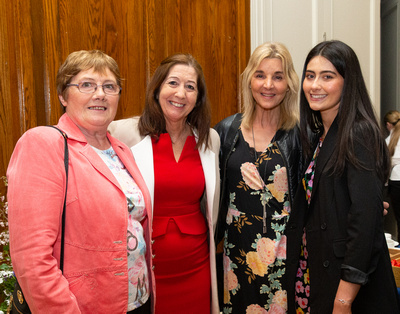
(261, 180)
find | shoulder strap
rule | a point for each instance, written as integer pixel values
(66, 158)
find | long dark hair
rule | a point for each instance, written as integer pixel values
(355, 116)
(152, 121)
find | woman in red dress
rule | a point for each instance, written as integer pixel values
(177, 154)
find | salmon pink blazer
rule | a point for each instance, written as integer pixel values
(95, 278)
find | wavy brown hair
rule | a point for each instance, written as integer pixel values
(152, 121)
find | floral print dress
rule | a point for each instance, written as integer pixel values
(254, 261)
(138, 282)
(302, 288)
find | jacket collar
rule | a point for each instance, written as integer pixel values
(325, 154)
(75, 134)
(71, 129)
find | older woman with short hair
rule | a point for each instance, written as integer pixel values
(107, 264)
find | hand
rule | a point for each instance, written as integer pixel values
(385, 208)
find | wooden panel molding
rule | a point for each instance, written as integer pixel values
(37, 35)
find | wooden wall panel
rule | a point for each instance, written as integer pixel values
(25, 64)
(37, 35)
(6, 121)
(134, 57)
(215, 32)
(51, 60)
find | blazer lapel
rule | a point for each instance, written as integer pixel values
(143, 153)
(325, 154)
(96, 161)
(207, 158)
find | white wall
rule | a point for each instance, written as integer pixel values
(301, 24)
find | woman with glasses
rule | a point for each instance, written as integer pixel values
(177, 153)
(107, 265)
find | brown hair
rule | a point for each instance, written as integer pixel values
(152, 121)
(393, 117)
(81, 61)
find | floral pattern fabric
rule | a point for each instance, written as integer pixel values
(302, 285)
(254, 261)
(136, 245)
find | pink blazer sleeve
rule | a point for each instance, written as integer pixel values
(36, 179)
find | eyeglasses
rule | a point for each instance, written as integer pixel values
(90, 88)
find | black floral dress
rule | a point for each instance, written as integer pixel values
(302, 288)
(254, 254)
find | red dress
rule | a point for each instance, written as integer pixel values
(182, 264)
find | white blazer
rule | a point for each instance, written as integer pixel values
(126, 130)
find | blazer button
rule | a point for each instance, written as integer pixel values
(152, 241)
(154, 255)
(323, 226)
(326, 264)
(152, 267)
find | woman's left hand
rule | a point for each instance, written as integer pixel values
(345, 296)
(341, 307)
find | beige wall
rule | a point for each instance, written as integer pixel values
(301, 24)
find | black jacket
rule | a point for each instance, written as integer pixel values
(345, 237)
(289, 146)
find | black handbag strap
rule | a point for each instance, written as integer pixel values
(66, 158)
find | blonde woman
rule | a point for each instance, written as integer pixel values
(259, 162)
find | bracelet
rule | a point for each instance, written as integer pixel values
(343, 301)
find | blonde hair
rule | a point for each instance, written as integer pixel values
(289, 115)
(393, 118)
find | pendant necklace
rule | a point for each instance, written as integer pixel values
(261, 180)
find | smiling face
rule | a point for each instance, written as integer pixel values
(268, 84)
(323, 87)
(178, 93)
(91, 112)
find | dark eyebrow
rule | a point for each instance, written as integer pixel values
(172, 77)
(323, 72)
(88, 78)
(330, 72)
(177, 78)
